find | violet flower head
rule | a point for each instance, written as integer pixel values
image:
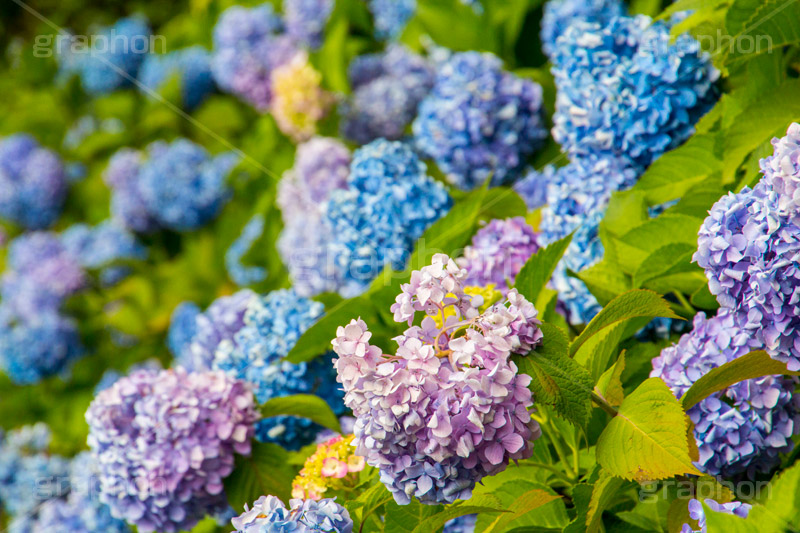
(165, 440)
(782, 172)
(270, 515)
(498, 252)
(430, 417)
(306, 20)
(697, 513)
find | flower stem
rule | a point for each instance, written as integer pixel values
(603, 404)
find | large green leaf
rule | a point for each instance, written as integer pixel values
(605, 490)
(538, 270)
(406, 518)
(304, 406)
(771, 24)
(647, 440)
(473, 506)
(266, 471)
(525, 503)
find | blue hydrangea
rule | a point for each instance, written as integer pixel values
(387, 90)
(744, 428)
(191, 66)
(240, 273)
(625, 90)
(532, 188)
(114, 58)
(479, 121)
(391, 16)
(388, 204)
(33, 184)
(97, 247)
(559, 14)
(269, 515)
(272, 326)
(462, 524)
(306, 20)
(127, 205)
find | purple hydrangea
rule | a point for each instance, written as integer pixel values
(242, 274)
(127, 205)
(498, 252)
(449, 408)
(559, 14)
(625, 90)
(321, 166)
(391, 16)
(697, 513)
(782, 172)
(164, 441)
(306, 20)
(744, 428)
(387, 90)
(192, 68)
(33, 184)
(479, 121)
(249, 44)
(269, 515)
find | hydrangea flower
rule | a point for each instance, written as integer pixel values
(391, 16)
(387, 90)
(127, 205)
(744, 428)
(191, 66)
(498, 252)
(462, 524)
(269, 515)
(388, 204)
(164, 441)
(115, 56)
(532, 187)
(782, 172)
(559, 14)
(697, 513)
(298, 100)
(194, 336)
(430, 417)
(306, 20)
(272, 326)
(33, 184)
(479, 121)
(249, 44)
(240, 273)
(97, 247)
(321, 166)
(333, 465)
(625, 90)
(28, 473)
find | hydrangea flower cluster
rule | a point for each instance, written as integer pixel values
(333, 465)
(191, 66)
(449, 408)
(298, 100)
(271, 327)
(696, 512)
(306, 20)
(33, 184)
(164, 441)
(248, 45)
(743, 428)
(625, 90)
(97, 247)
(498, 252)
(242, 274)
(559, 14)
(387, 90)
(28, 473)
(479, 121)
(269, 515)
(321, 166)
(143, 200)
(748, 247)
(462, 524)
(193, 335)
(389, 203)
(391, 16)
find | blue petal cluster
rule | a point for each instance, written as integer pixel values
(306, 20)
(269, 515)
(191, 66)
(462, 524)
(272, 326)
(241, 274)
(744, 428)
(388, 204)
(387, 90)
(33, 184)
(479, 121)
(391, 16)
(625, 90)
(100, 246)
(143, 200)
(559, 14)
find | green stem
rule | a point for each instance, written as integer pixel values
(684, 302)
(603, 404)
(558, 445)
(559, 473)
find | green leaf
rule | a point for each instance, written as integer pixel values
(635, 303)
(307, 406)
(596, 353)
(558, 380)
(771, 25)
(437, 521)
(605, 281)
(406, 518)
(525, 503)
(373, 499)
(753, 365)
(647, 439)
(646, 238)
(538, 270)
(265, 472)
(610, 383)
(581, 496)
(669, 259)
(604, 491)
